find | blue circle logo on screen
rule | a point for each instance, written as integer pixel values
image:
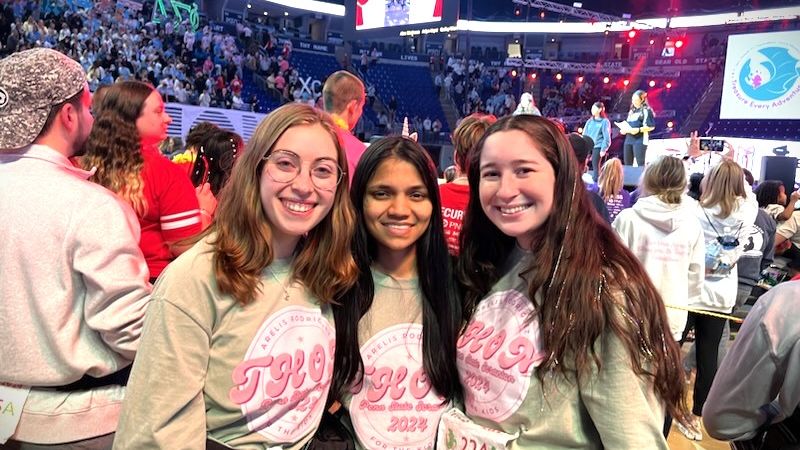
(768, 73)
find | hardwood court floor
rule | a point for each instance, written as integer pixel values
(677, 441)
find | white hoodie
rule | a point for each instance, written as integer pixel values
(719, 293)
(668, 240)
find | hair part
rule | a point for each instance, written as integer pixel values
(597, 288)
(243, 241)
(666, 179)
(441, 310)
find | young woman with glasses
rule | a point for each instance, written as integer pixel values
(239, 339)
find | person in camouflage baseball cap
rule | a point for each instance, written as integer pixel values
(32, 83)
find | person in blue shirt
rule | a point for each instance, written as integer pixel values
(642, 121)
(599, 129)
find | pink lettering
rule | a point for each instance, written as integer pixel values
(316, 363)
(385, 380)
(282, 370)
(246, 385)
(494, 344)
(522, 352)
(420, 386)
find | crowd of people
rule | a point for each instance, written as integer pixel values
(303, 288)
(477, 87)
(198, 67)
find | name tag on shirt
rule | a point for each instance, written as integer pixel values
(12, 399)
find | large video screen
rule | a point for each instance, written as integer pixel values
(377, 18)
(762, 76)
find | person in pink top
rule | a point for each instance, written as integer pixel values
(344, 95)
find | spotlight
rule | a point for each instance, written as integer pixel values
(580, 78)
(652, 41)
(514, 73)
(541, 15)
(533, 76)
(559, 76)
(285, 13)
(679, 43)
(266, 13)
(626, 82)
(632, 34)
(669, 85)
(670, 124)
(249, 6)
(517, 10)
(652, 83)
(606, 80)
(580, 130)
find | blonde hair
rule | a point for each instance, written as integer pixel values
(723, 186)
(611, 179)
(666, 179)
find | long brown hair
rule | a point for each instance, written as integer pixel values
(610, 180)
(114, 146)
(243, 244)
(723, 186)
(589, 282)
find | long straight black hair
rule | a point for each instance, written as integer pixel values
(441, 309)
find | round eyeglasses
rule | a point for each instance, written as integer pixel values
(283, 166)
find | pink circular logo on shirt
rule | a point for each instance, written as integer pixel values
(497, 354)
(395, 407)
(284, 379)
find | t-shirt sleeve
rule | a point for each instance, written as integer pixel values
(164, 405)
(615, 395)
(789, 228)
(179, 210)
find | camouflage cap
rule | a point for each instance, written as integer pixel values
(31, 83)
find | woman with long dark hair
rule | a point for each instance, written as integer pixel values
(641, 121)
(567, 343)
(238, 341)
(123, 145)
(396, 329)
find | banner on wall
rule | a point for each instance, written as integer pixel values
(185, 117)
(762, 76)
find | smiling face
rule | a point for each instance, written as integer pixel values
(295, 207)
(153, 120)
(397, 207)
(516, 184)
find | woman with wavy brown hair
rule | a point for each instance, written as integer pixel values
(238, 343)
(566, 343)
(131, 122)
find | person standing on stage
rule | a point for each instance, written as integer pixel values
(598, 128)
(641, 120)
